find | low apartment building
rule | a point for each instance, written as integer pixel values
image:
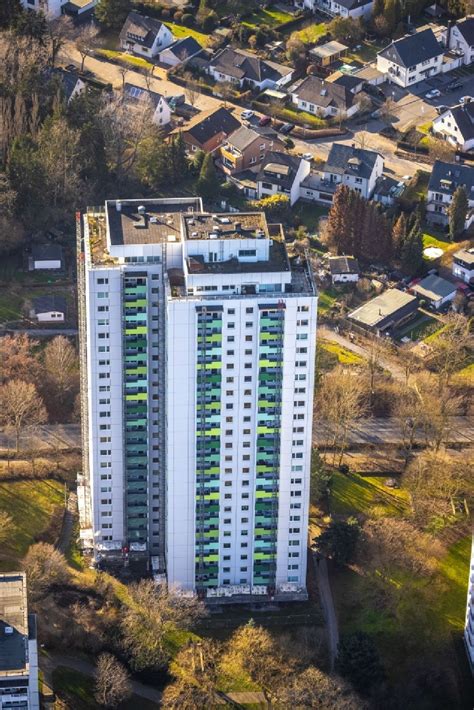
(343, 8)
(411, 59)
(445, 178)
(18, 646)
(144, 35)
(460, 38)
(463, 265)
(246, 148)
(356, 168)
(456, 126)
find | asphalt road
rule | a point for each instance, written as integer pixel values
(380, 431)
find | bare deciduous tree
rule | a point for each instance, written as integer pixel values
(152, 615)
(196, 670)
(340, 403)
(86, 42)
(61, 376)
(45, 567)
(6, 525)
(314, 689)
(192, 90)
(58, 32)
(451, 347)
(112, 681)
(20, 406)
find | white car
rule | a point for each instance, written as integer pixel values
(433, 94)
(465, 100)
(307, 156)
(247, 114)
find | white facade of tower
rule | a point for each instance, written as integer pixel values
(469, 626)
(199, 343)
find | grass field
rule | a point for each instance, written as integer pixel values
(31, 505)
(440, 241)
(309, 215)
(366, 53)
(366, 496)
(313, 32)
(269, 16)
(419, 328)
(344, 356)
(77, 690)
(180, 31)
(326, 300)
(125, 58)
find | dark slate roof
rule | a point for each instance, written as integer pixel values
(219, 121)
(387, 186)
(413, 49)
(466, 28)
(269, 169)
(244, 65)
(134, 94)
(47, 252)
(446, 177)
(142, 27)
(184, 48)
(352, 4)
(46, 304)
(348, 160)
(348, 81)
(343, 265)
(324, 93)
(464, 117)
(68, 80)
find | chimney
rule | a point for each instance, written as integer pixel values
(448, 32)
(118, 205)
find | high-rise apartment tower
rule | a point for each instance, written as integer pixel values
(198, 340)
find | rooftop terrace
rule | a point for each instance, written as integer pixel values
(241, 225)
(148, 221)
(13, 623)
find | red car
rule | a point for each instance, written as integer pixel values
(265, 120)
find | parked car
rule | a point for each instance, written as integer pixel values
(287, 128)
(265, 120)
(433, 94)
(247, 114)
(454, 86)
(307, 156)
(441, 109)
(465, 100)
(71, 67)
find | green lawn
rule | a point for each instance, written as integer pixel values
(313, 32)
(344, 356)
(439, 240)
(326, 299)
(353, 494)
(309, 215)
(467, 372)
(31, 505)
(269, 16)
(454, 570)
(180, 31)
(125, 58)
(419, 328)
(367, 53)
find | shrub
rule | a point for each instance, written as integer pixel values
(178, 16)
(187, 19)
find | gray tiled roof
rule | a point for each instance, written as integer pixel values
(464, 117)
(46, 304)
(466, 28)
(184, 48)
(273, 159)
(244, 65)
(342, 159)
(413, 49)
(146, 28)
(446, 177)
(323, 93)
(219, 121)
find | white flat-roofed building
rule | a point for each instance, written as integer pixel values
(198, 343)
(463, 265)
(18, 645)
(469, 626)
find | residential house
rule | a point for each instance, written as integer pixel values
(246, 69)
(70, 82)
(460, 38)
(281, 174)
(344, 8)
(19, 645)
(323, 98)
(46, 257)
(209, 129)
(352, 83)
(49, 309)
(387, 190)
(326, 54)
(136, 96)
(411, 59)
(386, 312)
(434, 290)
(55, 8)
(179, 52)
(463, 265)
(457, 126)
(445, 178)
(144, 35)
(246, 148)
(356, 168)
(344, 269)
